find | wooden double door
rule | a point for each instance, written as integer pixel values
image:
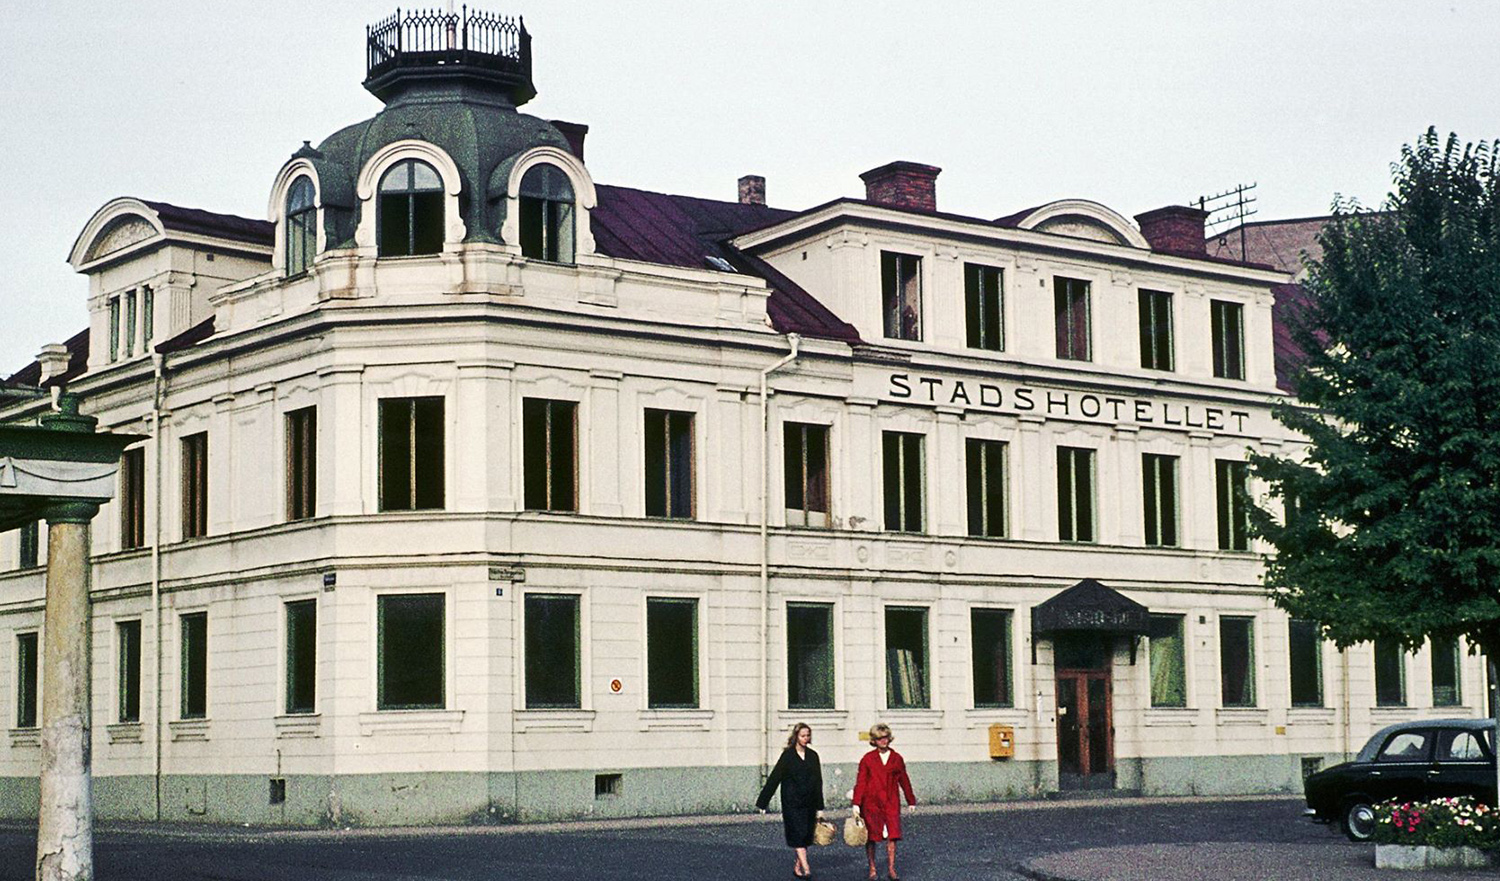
(1085, 722)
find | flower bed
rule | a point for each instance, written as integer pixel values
(1442, 822)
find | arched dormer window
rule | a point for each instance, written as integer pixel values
(410, 210)
(547, 215)
(301, 226)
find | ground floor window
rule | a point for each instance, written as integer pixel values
(990, 631)
(552, 651)
(1305, 658)
(1168, 661)
(1446, 685)
(671, 652)
(28, 662)
(410, 651)
(1390, 674)
(128, 696)
(194, 630)
(1237, 661)
(809, 655)
(301, 656)
(906, 657)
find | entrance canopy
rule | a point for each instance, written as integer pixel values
(1090, 606)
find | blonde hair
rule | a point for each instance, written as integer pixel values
(880, 729)
(791, 739)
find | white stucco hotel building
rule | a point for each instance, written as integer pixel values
(474, 490)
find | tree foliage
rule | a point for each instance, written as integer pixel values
(1389, 526)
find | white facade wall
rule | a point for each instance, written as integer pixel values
(483, 329)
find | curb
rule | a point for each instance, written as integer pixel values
(212, 832)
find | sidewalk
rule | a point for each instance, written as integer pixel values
(1226, 862)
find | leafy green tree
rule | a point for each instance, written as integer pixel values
(1389, 526)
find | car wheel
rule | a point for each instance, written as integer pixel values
(1358, 819)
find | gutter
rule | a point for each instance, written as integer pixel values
(795, 342)
(158, 398)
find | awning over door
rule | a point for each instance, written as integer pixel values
(1090, 606)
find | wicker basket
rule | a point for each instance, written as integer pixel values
(855, 833)
(824, 833)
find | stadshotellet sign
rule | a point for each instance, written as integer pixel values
(1001, 397)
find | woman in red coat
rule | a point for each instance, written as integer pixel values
(881, 773)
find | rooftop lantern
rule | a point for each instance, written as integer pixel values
(421, 48)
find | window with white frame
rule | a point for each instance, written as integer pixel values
(805, 468)
(301, 226)
(986, 478)
(904, 471)
(409, 210)
(549, 454)
(1159, 491)
(547, 215)
(1075, 494)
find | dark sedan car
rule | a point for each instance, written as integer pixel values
(1413, 761)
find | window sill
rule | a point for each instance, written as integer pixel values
(1171, 717)
(298, 725)
(125, 732)
(189, 730)
(983, 717)
(685, 719)
(576, 721)
(25, 738)
(915, 718)
(1391, 714)
(1249, 716)
(410, 722)
(824, 717)
(1311, 715)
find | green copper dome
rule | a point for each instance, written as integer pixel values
(460, 97)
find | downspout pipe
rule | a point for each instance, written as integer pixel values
(795, 342)
(158, 403)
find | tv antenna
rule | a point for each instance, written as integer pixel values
(1233, 206)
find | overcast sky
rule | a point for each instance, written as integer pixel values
(1133, 104)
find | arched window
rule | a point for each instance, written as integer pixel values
(410, 210)
(301, 226)
(547, 215)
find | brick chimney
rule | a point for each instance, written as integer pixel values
(902, 184)
(752, 190)
(574, 132)
(1175, 228)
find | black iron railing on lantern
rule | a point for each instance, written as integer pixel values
(421, 38)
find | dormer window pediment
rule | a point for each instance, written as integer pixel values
(121, 233)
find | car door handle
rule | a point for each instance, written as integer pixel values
(1374, 773)
(1434, 771)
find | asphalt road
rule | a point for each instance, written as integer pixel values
(942, 842)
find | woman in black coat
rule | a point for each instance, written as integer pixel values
(800, 777)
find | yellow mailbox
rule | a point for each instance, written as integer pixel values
(1002, 741)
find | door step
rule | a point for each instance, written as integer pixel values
(1090, 794)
